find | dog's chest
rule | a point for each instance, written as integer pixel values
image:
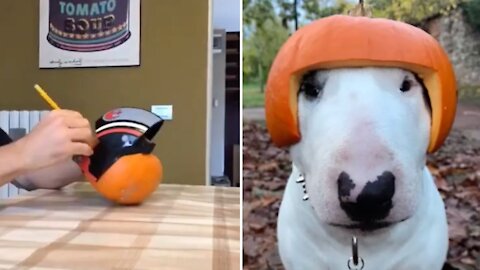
(306, 243)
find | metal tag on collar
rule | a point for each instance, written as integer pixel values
(355, 262)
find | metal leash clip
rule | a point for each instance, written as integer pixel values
(355, 262)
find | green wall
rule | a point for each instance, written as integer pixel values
(173, 70)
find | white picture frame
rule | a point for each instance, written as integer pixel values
(79, 33)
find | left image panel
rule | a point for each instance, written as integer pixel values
(120, 135)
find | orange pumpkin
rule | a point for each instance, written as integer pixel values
(130, 180)
(348, 41)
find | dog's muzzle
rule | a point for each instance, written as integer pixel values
(371, 206)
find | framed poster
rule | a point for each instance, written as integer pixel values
(89, 33)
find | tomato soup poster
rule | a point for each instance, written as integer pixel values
(89, 33)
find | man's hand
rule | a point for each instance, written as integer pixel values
(58, 137)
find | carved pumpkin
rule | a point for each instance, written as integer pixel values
(122, 167)
(348, 41)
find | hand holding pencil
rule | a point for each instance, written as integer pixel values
(93, 142)
(59, 136)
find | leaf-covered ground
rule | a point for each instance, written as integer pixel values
(266, 168)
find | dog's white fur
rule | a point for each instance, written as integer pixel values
(363, 124)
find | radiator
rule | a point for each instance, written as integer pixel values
(17, 124)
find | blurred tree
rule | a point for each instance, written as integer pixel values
(295, 10)
(298, 11)
(264, 33)
(412, 11)
(268, 23)
(315, 9)
(259, 50)
(257, 12)
(471, 10)
(289, 12)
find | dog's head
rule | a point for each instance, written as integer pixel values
(365, 133)
(345, 92)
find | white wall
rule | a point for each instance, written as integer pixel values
(226, 15)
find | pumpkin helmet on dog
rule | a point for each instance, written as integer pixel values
(341, 41)
(122, 167)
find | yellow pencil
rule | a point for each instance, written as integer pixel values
(45, 97)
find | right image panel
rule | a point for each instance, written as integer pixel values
(361, 135)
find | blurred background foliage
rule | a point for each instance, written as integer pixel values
(268, 23)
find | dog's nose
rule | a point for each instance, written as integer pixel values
(374, 201)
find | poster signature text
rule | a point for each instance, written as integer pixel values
(66, 62)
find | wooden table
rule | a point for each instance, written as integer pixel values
(178, 227)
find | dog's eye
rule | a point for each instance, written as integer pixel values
(406, 85)
(311, 86)
(310, 90)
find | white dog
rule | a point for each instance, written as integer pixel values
(365, 133)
